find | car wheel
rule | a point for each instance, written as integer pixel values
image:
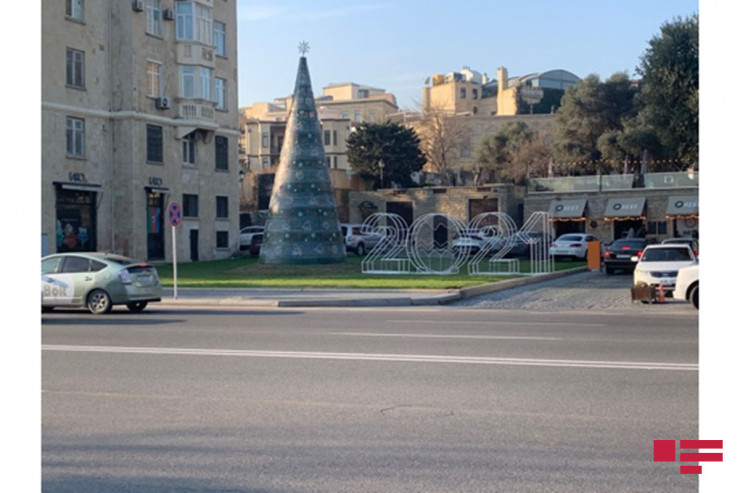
(137, 306)
(98, 302)
(361, 249)
(695, 297)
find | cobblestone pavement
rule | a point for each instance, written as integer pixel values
(583, 291)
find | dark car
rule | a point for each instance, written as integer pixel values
(619, 254)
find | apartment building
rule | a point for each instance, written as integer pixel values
(471, 93)
(139, 109)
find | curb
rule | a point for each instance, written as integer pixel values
(439, 299)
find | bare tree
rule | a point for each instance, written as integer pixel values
(442, 136)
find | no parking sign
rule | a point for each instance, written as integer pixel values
(174, 214)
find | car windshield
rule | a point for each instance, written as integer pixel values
(667, 255)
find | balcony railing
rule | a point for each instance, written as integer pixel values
(596, 183)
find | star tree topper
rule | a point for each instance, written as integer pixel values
(303, 48)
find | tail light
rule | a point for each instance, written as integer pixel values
(608, 254)
(639, 254)
(553, 244)
(124, 276)
(575, 245)
(625, 248)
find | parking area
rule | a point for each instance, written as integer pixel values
(584, 291)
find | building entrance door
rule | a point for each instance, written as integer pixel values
(193, 245)
(155, 226)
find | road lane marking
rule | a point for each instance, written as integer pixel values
(446, 336)
(495, 322)
(406, 358)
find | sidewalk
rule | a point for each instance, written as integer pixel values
(340, 297)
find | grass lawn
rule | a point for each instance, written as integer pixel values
(249, 273)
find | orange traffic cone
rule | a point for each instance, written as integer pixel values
(661, 294)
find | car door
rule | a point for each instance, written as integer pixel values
(75, 275)
(54, 292)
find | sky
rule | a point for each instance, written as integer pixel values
(396, 45)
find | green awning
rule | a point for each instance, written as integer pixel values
(567, 209)
(625, 207)
(683, 205)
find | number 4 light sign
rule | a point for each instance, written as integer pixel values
(174, 216)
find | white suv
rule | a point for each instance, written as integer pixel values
(659, 265)
(359, 238)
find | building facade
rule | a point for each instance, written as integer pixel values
(139, 109)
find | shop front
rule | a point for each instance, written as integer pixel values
(76, 217)
(683, 212)
(568, 216)
(627, 217)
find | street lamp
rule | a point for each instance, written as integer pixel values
(381, 165)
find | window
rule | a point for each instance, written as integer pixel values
(194, 22)
(195, 83)
(187, 82)
(75, 10)
(219, 38)
(75, 137)
(334, 137)
(75, 68)
(222, 152)
(463, 93)
(265, 140)
(327, 137)
(222, 207)
(222, 239)
(76, 264)
(188, 149)
(189, 205)
(153, 78)
(154, 144)
(475, 93)
(205, 83)
(154, 17)
(220, 89)
(357, 116)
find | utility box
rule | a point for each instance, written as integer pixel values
(593, 255)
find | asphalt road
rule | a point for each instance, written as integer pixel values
(400, 399)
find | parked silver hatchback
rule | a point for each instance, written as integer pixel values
(97, 281)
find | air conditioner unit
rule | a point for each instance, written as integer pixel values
(138, 5)
(169, 15)
(163, 103)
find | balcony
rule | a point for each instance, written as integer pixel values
(195, 114)
(195, 54)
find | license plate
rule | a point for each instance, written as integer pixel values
(624, 256)
(144, 279)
